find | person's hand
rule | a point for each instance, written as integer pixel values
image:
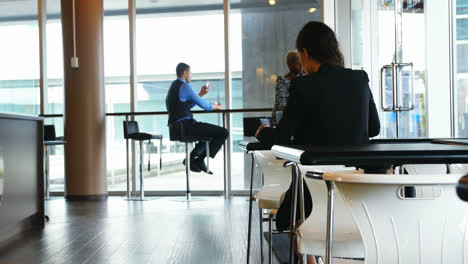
(260, 128)
(204, 90)
(217, 106)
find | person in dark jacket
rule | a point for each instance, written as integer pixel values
(330, 105)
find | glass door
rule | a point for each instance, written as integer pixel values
(401, 60)
(388, 42)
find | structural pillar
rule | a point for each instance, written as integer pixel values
(85, 116)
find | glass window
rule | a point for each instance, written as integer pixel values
(19, 53)
(55, 97)
(117, 78)
(166, 34)
(262, 32)
(460, 67)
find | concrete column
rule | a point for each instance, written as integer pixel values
(85, 119)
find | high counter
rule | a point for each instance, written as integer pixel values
(21, 174)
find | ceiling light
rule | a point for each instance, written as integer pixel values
(272, 2)
(313, 9)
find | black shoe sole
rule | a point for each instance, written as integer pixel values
(193, 168)
(202, 166)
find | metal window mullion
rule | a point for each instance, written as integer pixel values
(42, 20)
(132, 39)
(452, 64)
(228, 101)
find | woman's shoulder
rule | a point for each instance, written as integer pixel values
(349, 74)
(282, 79)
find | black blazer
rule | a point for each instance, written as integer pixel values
(333, 106)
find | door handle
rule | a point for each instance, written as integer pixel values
(399, 106)
(382, 85)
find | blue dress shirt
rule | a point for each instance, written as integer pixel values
(186, 93)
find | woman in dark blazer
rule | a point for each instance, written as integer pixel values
(331, 105)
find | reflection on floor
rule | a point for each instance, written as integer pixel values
(162, 230)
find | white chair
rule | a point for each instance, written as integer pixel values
(436, 168)
(406, 218)
(311, 235)
(459, 168)
(425, 169)
(276, 181)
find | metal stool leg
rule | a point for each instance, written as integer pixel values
(142, 191)
(47, 186)
(270, 244)
(207, 155)
(187, 170)
(293, 214)
(260, 210)
(160, 154)
(249, 232)
(128, 169)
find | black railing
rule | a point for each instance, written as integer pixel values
(224, 111)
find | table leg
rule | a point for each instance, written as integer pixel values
(47, 172)
(249, 232)
(142, 188)
(330, 219)
(293, 214)
(128, 169)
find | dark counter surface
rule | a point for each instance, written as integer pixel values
(375, 154)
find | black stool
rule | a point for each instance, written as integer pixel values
(50, 139)
(177, 133)
(131, 131)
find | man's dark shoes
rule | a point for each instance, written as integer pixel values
(201, 164)
(193, 165)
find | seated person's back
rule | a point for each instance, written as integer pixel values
(333, 106)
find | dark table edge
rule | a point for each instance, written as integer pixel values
(20, 116)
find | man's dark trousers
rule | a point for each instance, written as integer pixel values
(200, 129)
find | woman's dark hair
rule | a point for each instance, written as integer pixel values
(320, 43)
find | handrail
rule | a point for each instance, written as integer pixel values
(223, 111)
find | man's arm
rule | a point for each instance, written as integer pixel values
(188, 94)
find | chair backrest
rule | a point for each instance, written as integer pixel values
(130, 127)
(274, 173)
(425, 169)
(49, 132)
(319, 192)
(318, 217)
(429, 226)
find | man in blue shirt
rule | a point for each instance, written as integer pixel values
(179, 102)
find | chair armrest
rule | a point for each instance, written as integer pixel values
(450, 179)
